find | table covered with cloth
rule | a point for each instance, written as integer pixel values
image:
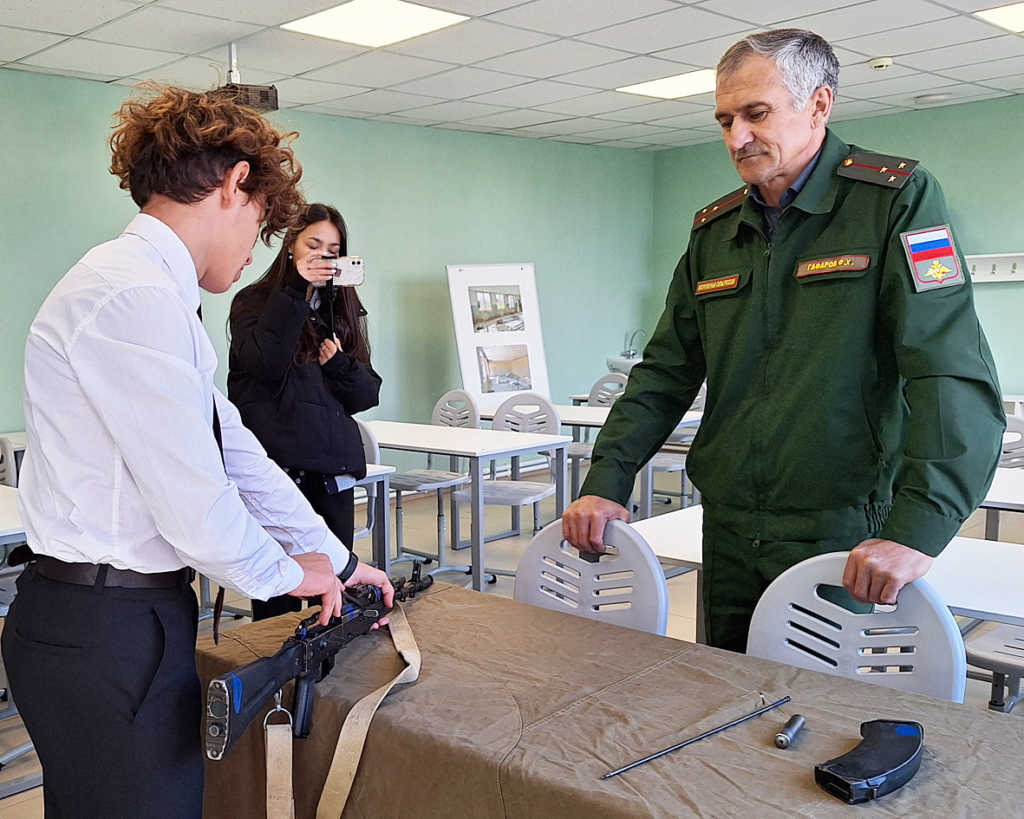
(519, 710)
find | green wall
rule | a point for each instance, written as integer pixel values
(415, 199)
(972, 148)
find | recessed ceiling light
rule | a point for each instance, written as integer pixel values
(374, 22)
(1010, 17)
(931, 99)
(680, 85)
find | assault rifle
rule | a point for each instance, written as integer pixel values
(235, 699)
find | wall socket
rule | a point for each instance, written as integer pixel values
(996, 267)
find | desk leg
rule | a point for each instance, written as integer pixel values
(560, 480)
(574, 486)
(646, 491)
(516, 516)
(454, 524)
(477, 515)
(991, 524)
(382, 525)
(702, 632)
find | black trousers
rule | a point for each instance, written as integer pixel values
(338, 512)
(105, 680)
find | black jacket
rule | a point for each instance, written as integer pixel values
(301, 413)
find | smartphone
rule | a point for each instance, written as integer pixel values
(348, 270)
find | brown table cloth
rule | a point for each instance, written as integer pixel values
(519, 710)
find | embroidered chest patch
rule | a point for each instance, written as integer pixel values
(833, 264)
(933, 258)
(717, 285)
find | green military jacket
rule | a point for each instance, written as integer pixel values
(841, 398)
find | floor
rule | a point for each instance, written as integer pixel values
(420, 529)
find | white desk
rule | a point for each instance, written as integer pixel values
(477, 446)
(1016, 403)
(1005, 495)
(11, 528)
(579, 398)
(17, 440)
(976, 578)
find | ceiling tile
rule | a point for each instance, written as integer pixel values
(378, 69)
(456, 110)
(623, 143)
(532, 94)
(100, 58)
(401, 119)
(460, 82)
(682, 137)
(862, 72)
(298, 91)
(632, 131)
(558, 57)
(549, 128)
(514, 119)
(470, 42)
(853, 109)
(897, 85)
(386, 102)
(62, 18)
(706, 53)
(920, 37)
(178, 30)
(868, 18)
(660, 31)
(694, 120)
(974, 5)
(585, 125)
(261, 12)
(66, 72)
(1013, 83)
(16, 43)
(201, 74)
(625, 72)
(994, 48)
(287, 52)
(598, 103)
(982, 72)
(577, 139)
(761, 13)
(959, 92)
(474, 8)
(568, 17)
(655, 110)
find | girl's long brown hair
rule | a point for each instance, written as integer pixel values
(349, 315)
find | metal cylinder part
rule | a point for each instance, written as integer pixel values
(787, 735)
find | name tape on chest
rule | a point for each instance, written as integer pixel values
(833, 264)
(933, 258)
(717, 285)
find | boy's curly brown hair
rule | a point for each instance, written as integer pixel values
(180, 144)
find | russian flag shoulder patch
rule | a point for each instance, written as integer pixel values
(933, 258)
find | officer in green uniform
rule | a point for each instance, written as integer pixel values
(852, 401)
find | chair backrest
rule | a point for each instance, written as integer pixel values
(1013, 443)
(8, 476)
(607, 389)
(527, 412)
(456, 408)
(371, 452)
(914, 646)
(625, 587)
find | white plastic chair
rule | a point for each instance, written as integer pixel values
(916, 646)
(456, 408)
(372, 453)
(604, 392)
(1013, 443)
(525, 412)
(8, 472)
(625, 587)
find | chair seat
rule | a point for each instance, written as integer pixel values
(668, 462)
(426, 480)
(508, 493)
(1000, 650)
(581, 449)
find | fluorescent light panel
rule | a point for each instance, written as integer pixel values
(374, 23)
(671, 88)
(1009, 17)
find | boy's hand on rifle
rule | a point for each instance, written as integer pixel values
(368, 576)
(319, 580)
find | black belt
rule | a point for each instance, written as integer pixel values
(86, 574)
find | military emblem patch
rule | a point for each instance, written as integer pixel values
(933, 258)
(717, 285)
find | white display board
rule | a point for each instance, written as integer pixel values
(497, 331)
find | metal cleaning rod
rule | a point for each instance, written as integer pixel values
(697, 738)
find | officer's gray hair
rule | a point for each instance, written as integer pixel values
(804, 59)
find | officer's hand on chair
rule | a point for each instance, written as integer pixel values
(877, 569)
(319, 580)
(584, 521)
(368, 576)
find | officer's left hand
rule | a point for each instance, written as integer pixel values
(877, 569)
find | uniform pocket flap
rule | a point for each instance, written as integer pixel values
(722, 284)
(822, 267)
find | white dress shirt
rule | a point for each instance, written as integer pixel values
(121, 464)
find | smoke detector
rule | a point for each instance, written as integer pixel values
(931, 99)
(880, 63)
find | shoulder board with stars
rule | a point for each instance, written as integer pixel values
(719, 206)
(888, 171)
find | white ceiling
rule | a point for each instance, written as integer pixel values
(544, 68)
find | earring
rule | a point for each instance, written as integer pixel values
(289, 254)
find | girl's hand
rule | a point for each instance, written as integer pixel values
(315, 270)
(328, 347)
